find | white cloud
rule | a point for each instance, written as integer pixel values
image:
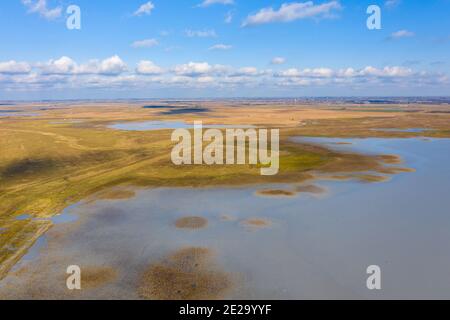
(327, 73)
(193, 68)
(113, 65)
(112, 73)
(207, 3)
(65, 66)
(307, 73)
(221, 46)
(206, 79)
(199, 68)
(347, 73)
(40, 7)
(402, 34)
(14, 67)
(149, 68)
(246, 71)
(278, 60)
(293, 72)
(292, 11)
(200, 33)
(145, 9)
(147, 43)
(388, 71)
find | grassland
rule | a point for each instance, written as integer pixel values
(68, 153)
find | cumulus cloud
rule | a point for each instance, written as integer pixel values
(149, 68)
(65, 65)
(112, 73)
(40, 7)
(246, 71)
(327, 73)
(308, 72)
(292, 11)
(210, 33)
(199, 68)
(221, 46)
(14, 67)
(401, 34)
(278, 60)
(147, 43)
(394, 71)
(110, 66)
(145, 9)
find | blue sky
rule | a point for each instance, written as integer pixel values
(223, 48)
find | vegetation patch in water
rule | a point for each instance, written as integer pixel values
(187, 274)
(97, 276)
(310, 189)
(276, 193)
(191, 223)
(256, 223)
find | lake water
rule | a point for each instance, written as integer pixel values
(317, 246)
(18, 114)
(409, 130)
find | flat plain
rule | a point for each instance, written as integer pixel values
(60, 153)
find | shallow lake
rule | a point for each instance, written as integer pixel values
(316, 246)
(17, 114)
(409, 130)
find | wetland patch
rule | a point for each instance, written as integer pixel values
(276, 193)
(97, 276)
(310, 189)
(116, 194)
(256, 223)
(187, 274)
(191, 223)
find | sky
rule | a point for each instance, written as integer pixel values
(222, 48)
